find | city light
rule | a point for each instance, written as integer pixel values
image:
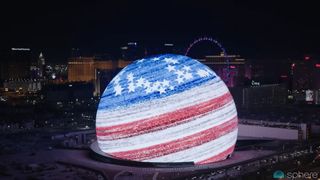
(168, 44)
(20, 49)
(132, 43)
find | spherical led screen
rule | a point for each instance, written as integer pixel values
(167, 108)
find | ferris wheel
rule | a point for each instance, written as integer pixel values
(216, 43)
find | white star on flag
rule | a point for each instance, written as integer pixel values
(131, 87)
(140, 82)
(118, 89)
(154, 88)
(188, 76)
(203, 73)
(179, 80)
(146, 84)
(179, 73)
(156, 58)
(157, 84)
(170, 60)
(165, 83)
(130, 82)
(186, 68)
(130, 77)
(162, 90)
(148, 90)
(116, 80)
(170, 68)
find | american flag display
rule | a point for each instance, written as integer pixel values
(167, 108)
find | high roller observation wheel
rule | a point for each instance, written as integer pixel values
(215, 42)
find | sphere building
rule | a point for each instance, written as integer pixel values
(167, 108)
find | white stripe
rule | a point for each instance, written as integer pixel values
(201, 152)
(214, 118)
(157, 107)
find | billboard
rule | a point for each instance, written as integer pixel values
(309, 95)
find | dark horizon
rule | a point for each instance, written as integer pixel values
(249, 28)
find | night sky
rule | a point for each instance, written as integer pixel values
(256, 29)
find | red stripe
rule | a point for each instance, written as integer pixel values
(179, 144)
(218, 157)
(161, 121)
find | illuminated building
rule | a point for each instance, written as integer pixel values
(21, 75)
(67, 92)
(22, 85)
(231, 68)
(19, 63)
(167, 109)
(168, 48)
(131, 51)
(306, 74)
(122, 63)
(271, 95)
(37, 69)
(261, 68)
(90, 69)
(41, 65)
(56, 73)
(81, 69)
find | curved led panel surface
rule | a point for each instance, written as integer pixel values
(167, 108)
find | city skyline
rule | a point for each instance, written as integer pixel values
(252, 29)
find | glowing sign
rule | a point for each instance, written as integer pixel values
(168, 44)
(309, 95)
(20, 49)
(167, 108)
(254, 83)
(132, 43)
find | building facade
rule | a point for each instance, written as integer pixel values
(93, 70)
(231, 68)
(19, 62)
